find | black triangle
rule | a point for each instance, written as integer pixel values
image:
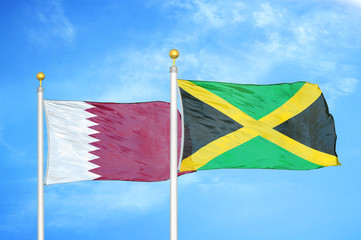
(203, 124)
(314, 127)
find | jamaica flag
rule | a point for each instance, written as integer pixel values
(281, 126)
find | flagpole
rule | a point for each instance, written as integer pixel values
(173, 148)
(40, 76)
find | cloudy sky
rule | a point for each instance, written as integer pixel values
(117, 51)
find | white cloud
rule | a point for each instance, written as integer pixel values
(268, 16)
(304, 34)
(338, 88)
(218, 15)
(15, 218)
(132, 76)
(84, 204)
(188, 180)
(210, 66)
(215, 14)
(306, 41)
(348, 85)
(232, 194)
(52, 24)
(353, 2)
(13, 150)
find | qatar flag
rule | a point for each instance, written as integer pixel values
(108, 141)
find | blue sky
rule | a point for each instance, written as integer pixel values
(117, 51)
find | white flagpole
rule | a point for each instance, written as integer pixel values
(40, 76)
(173, 148)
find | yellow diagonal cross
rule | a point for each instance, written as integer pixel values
(253, 128)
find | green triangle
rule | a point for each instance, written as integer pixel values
(255, 100)
(259, 153)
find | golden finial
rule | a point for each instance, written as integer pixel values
(173, 54)
(40, 76)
